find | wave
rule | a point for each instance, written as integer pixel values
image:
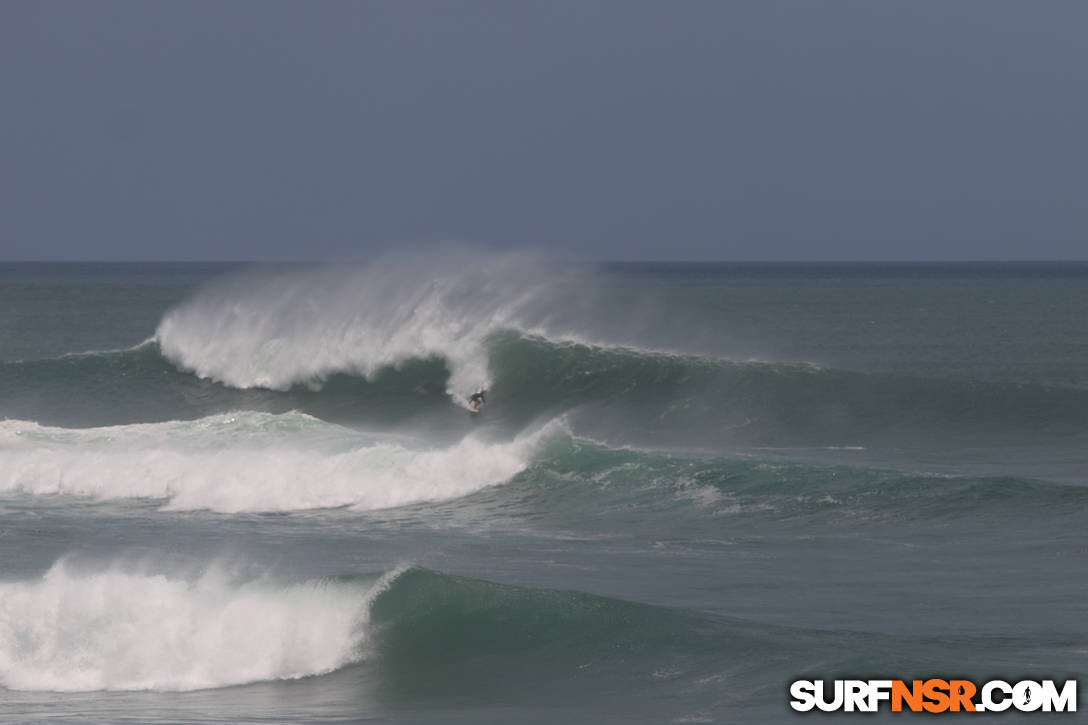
(140, 385)
(276, 330)
(618, 394)
(439, 637)
(424, 634)
(254, 462)
(246, 462)
(421, 638)
(119, 629)
(401, 342)
(629, 396)
(576, 483)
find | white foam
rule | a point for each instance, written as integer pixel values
(250, 462)
(275, 330)
(120, 630)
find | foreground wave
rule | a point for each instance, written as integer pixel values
(121, 629)
(81, 628)
(416, 638)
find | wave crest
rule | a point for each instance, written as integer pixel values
(76, 630)
(274, 329)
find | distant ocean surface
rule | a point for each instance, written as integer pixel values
(256, 494)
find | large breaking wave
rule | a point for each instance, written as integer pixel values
(417, 636)
(274, 330)
(401, 342)
(82, 627)
(623, 393)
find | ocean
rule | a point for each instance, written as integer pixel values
(256, 494)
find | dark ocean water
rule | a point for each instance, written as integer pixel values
(256, 494)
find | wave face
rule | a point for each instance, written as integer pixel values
(452, 639)
(674, 398)
(576, 482)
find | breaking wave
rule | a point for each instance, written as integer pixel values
(274, 330)
(614, 393)
(119, 629)
(415, 635)
(425, 634)
(251, 462)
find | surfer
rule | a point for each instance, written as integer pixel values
(477, 399)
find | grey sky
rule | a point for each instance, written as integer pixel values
(621, 130)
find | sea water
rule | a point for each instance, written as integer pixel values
(235, 493)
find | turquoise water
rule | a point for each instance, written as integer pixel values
(239, 494)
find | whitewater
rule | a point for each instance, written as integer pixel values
(235, 493)
(275, 330)
(249, 462)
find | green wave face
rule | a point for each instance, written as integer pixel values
(581, 485)
(438, 640)
(447, 639)
(620, 394)
(140, 385)
(711, 401)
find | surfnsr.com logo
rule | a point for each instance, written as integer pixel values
(933, 695)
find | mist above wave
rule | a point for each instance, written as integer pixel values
(277, 328)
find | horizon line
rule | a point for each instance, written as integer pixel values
(586, 261)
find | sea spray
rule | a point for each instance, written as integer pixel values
(274, 329)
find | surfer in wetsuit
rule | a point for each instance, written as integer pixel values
(477, 399)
